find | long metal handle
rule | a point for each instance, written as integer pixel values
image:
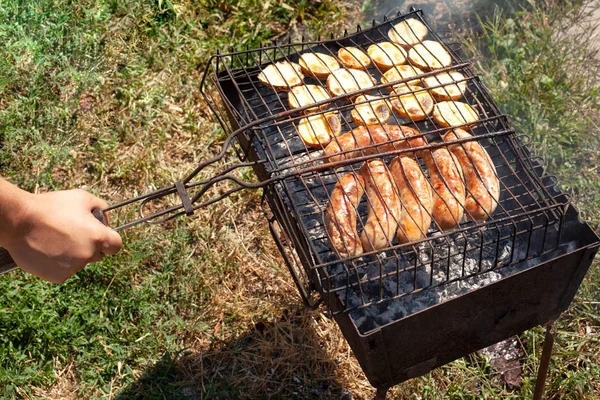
(7, 264)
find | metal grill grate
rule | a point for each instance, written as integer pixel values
(525, 226)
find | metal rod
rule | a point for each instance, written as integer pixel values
(540, 381)
(381, 393)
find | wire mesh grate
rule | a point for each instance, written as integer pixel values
(525, 225)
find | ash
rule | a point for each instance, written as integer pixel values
(451, 272)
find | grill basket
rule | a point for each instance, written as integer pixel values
(408, 308)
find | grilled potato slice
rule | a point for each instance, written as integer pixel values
(408, 32)
(282, 75)
(453, 113)
(429, 55)
(349, 80)
(318, 65)
(305, 95)
(317, 130)
(412, 102)
(386, 54)
(353, 57)
(399, 72)
(376, 111)
(449, 90)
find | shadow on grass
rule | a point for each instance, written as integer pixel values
(283, 358)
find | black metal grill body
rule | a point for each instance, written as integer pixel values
(428, 339)
(534, 246)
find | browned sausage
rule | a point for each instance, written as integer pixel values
(415, 196)
(448, 187)
(384, 206)
(340, 215)
(480, 175)
(368, 135)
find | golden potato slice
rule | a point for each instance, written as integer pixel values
(376, 111)
(412, 102)
(345, 81)
(429, 55)
(386, 54)
(317, 130)
(318, 65)
(403, 88)
(305, 95)
(282, 75)
(408, 32)
(454, 113)
(449, 89)
(399, 72)
(353, 57)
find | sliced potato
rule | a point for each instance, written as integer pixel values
(305, 95)
(386, 54)
(345, 81)
(399, 72)
(282, 75)
(318, 65)
(429, 55)
(376, 111)
(454, 113)
(446, 88)
(408, 32)
(403, 88)
(412, 102)
(317, 130)
(353, 57)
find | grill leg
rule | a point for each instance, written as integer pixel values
(545, 361)
(381, 393)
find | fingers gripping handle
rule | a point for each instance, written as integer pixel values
(7, 263)
(100, 216)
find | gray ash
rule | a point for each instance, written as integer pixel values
(384, 312)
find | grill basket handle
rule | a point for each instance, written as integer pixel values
(100, 216)
(7, 264)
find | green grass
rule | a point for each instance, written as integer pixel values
(547, 82)
(98, 320)
(104, 94)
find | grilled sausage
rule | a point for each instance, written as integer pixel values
(415, 196)
(373, 134)
(448, 187)
(340, 215)
(480, 175)
(384, 206)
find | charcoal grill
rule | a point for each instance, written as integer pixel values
(412, 307)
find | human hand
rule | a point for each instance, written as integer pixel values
(54, 235)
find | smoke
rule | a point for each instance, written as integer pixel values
(445, 15)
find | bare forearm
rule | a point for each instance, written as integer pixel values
(13, 205)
